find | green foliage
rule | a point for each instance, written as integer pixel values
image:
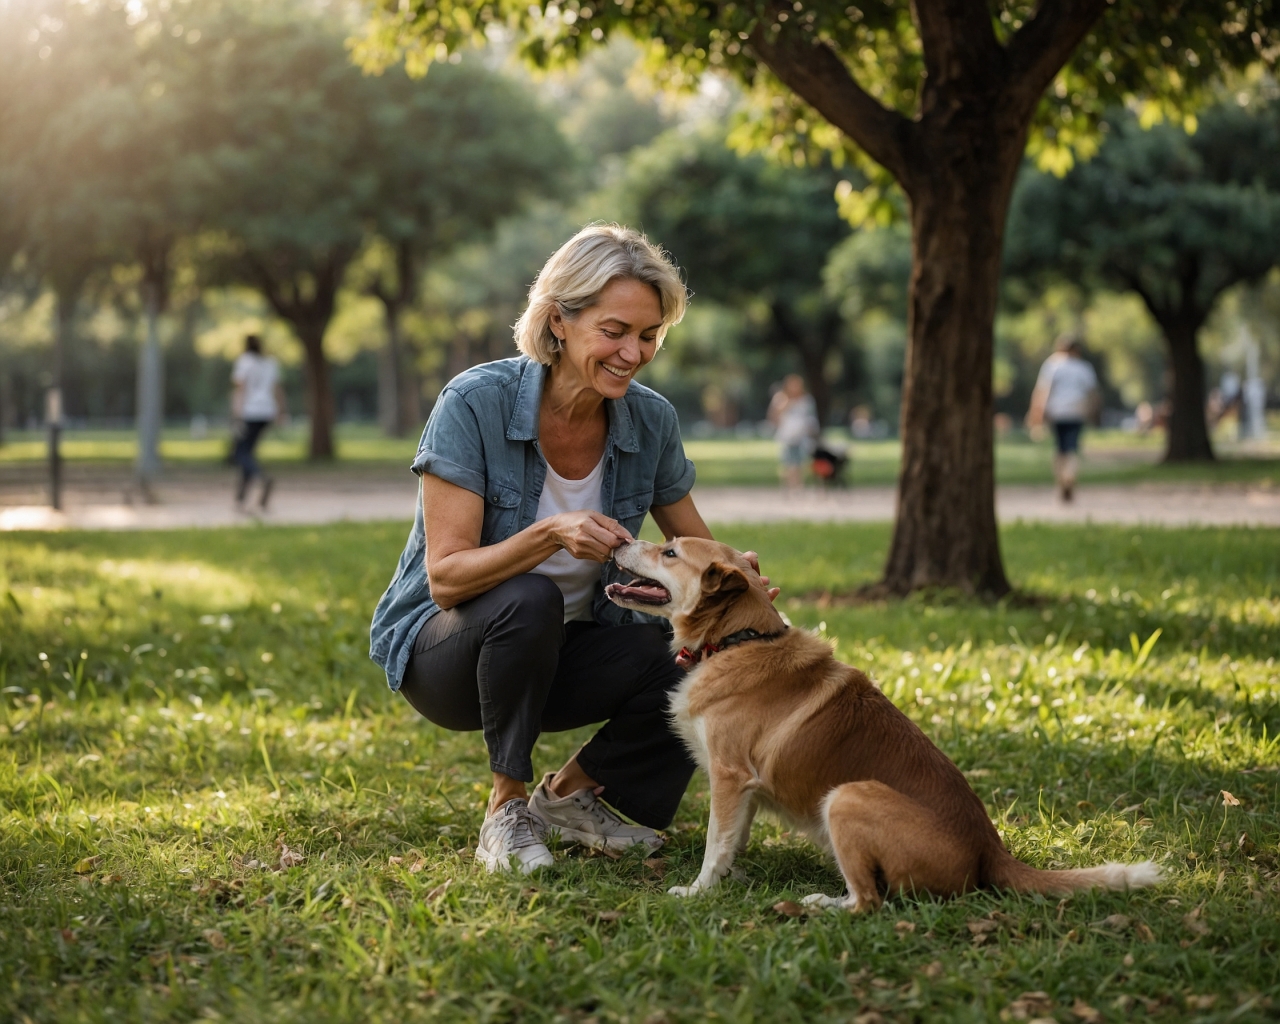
(1176, 217)
(1162, 55)
(232, 815)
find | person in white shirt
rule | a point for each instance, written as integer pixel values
(257, 401)
(1065, 396)
(794, 416)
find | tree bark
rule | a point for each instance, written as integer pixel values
(320, 406)
(150, 386)
(1187, 432)
(945, 533)
(813, 352)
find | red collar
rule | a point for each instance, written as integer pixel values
(687, 658)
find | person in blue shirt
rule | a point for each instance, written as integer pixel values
(533, 470)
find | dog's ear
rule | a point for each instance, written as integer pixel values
(720, 578)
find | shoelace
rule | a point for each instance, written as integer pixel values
(598, 811)
(515, 827)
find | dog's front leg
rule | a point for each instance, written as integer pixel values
(732, 808)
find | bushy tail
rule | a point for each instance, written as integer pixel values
(1010, 873)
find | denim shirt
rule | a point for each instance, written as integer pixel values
(483, 435)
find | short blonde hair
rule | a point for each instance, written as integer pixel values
(575, 275)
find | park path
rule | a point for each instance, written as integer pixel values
(190, 498)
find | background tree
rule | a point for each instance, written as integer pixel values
(456, 153)
(1176, 217)
(746, 230)
(943, 96)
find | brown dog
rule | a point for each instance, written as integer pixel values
(777, 722)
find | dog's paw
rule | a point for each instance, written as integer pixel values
(685, 890)
(821, 899)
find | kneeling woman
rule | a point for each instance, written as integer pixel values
(534, 469)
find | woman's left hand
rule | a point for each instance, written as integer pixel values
(754, 560)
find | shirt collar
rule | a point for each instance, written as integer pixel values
(523, 425)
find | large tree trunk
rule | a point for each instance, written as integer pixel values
(945, 531)
(1187, 432)
(320, 405)
(399, 406)
(812, 352)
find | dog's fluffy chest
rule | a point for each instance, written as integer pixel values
(689, 727)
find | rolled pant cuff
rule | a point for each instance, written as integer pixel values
(519, 774)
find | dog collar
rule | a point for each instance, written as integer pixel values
(687, 657)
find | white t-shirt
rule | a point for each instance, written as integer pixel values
(798, 421)
(258, 374)
(1070, 382)
(576, 577)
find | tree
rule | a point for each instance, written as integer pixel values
(943, 95)
(455, 154)
(1177, 218)
(746, 230)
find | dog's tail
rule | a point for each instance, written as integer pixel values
(1010, 873)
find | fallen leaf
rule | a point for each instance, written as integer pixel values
(904, 928)
(1228, 800)
(394, 861)
(83, 867)
(1085, 1012)
(609, 915)
(110, 879)
(434, 895)
(1192, 923)
(1128, 960)
(215, 938)
(981, 926)
(290, 858)
(1119, 922)
(417, 866)
(1144, 932)
(870, 1017)
(789, 908)
(68, 935)
(1028, 1006)
(881, 983)
(933, 971)
(1201, 1002)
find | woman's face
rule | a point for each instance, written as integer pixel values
(609, 342)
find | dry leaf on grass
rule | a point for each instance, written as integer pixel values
(870, 1017)
(1118, 922)
(904, 928)
(1083, 1011)
(789, 908)
(215, 938)
(1144, 932)
(982, 926)
(1192, 923)
(1228, 800)
(434, 895)
(417, 866)
(1028, 1006)
(1195, 1002)
(290, 858)
(933, 971)
(609, 915)
(83, 867)
(394, 861)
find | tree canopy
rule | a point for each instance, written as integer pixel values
(1177, 218)
(942, 95)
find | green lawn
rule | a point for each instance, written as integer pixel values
(212, 808)
(1110, 456)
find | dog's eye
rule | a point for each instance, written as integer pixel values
(669, 553)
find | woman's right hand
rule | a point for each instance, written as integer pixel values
(587, 534)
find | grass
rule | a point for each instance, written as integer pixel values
(212, 808)
(1110, 456)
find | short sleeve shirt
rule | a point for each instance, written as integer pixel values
(1070, 382)
(482, 435)
(257, 374)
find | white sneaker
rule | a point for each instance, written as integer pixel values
(510, 840)
(582, 817)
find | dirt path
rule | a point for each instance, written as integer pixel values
(102, 499)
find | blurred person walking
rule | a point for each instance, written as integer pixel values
(1066, 396)
(794, 417)
(257, 401)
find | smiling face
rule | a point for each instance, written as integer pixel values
(608, 343)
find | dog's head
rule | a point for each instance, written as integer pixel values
(707, 590)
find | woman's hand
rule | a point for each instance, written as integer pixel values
(587, 534)
(754, 560)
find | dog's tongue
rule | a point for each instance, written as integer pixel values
(639, 590)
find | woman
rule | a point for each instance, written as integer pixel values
(533, 470)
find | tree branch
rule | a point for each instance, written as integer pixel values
(815, 73)
(958, 40)
(1045, 43)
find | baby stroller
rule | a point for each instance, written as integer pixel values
(829, 464)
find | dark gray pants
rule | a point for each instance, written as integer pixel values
(505, 662)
